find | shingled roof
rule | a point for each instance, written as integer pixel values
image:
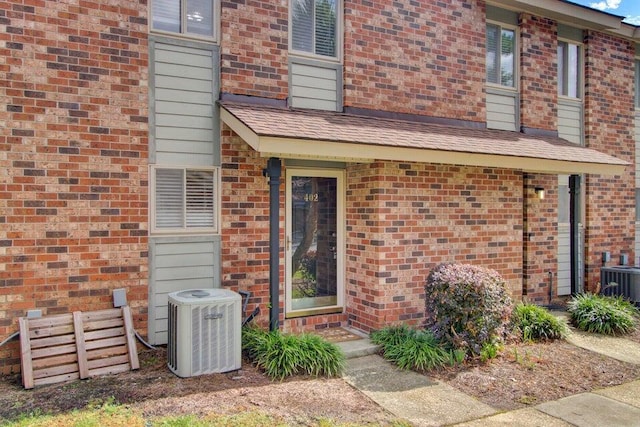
(284, 132)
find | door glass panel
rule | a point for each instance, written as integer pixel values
(313, 251)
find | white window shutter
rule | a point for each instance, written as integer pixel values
(302, 25)
(493, 59)
(200, 199)
(166, 15)
(169, 198)
(326, 25)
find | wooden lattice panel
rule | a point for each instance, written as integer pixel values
(79, 345)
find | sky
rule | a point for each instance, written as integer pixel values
(628, 8)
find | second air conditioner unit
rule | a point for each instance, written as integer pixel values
(621, 281)
(204, 332)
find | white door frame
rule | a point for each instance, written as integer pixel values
(340, 239)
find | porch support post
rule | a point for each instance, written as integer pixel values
(274, 171)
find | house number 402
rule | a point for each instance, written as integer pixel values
(313, 197)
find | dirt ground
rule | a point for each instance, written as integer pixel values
(523, 375)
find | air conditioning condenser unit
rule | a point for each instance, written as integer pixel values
(621, 281)
(204, 332)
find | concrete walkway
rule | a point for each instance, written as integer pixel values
(426, 402)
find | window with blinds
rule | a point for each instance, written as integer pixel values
(184, 199)
(314, 27)
(569, 65)
(189, 17)
(501, 62)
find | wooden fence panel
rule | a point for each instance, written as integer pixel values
(79, 345)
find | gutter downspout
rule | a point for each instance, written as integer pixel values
(273, 171)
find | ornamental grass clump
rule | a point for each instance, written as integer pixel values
(602, 314)
(535, 323)
(411, 349)
(283, 355)
(467, 306)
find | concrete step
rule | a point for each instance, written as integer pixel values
(358, 348)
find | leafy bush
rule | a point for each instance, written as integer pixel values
(282, 355)
(411, 349)
(602, 314)
(467, 306)
(489, 351)
(391, 336)
(536, 323)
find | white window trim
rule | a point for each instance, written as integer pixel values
(339, 37)
(185, 230)
(516, 57)
(581, 64)
(217, 10)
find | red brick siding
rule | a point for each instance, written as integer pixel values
(402, 219)
(245, 221)
(254, 48)
(538, 73)
(609, 120)
(540, 237)
(74, 147)
(416, 57)
(245, 233)
(405, 218)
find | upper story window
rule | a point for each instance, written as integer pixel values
(501, 59)
(314, 27)
(569, 69)
(187, 17)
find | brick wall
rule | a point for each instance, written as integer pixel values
(416, 57)
(245, 233)
(538, 73)
(609, 124)
(73, 159)
(245, 221)
(540, 237)
(405, 218)
(254, 48)
(539, 110)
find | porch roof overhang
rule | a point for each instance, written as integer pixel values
(322, 135)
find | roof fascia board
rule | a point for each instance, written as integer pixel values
(568, 13)
(628, 31)
(303, 148)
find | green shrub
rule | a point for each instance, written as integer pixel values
(467, 306)
(535, 323)
(391, 336)
(282, 355)
(602, 314)
(411, 349)
(489, 351)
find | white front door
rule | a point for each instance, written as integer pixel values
(314, 242)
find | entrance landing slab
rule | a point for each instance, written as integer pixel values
(412, 396)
